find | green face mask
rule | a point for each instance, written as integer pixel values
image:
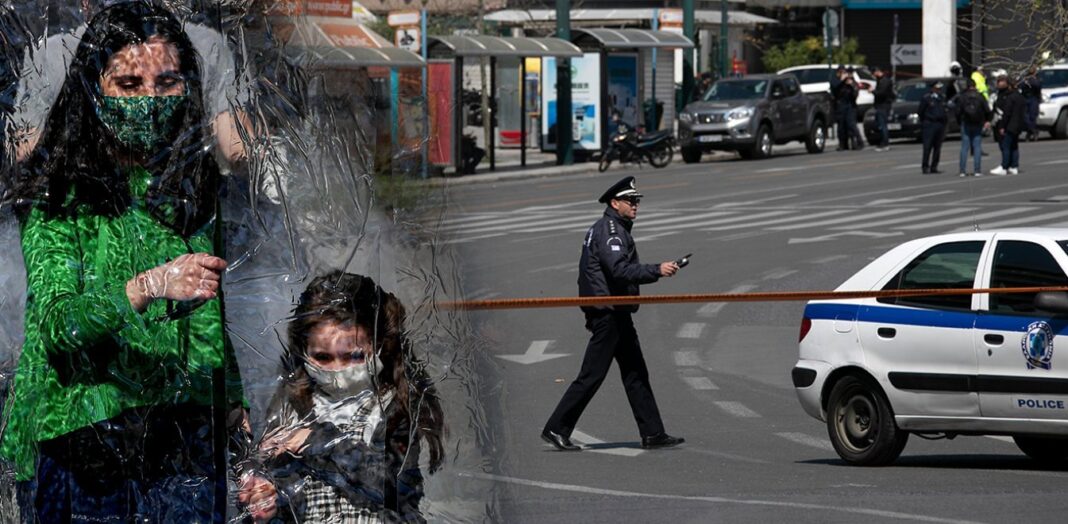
(142, 123)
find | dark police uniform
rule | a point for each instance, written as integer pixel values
(609, 266)
(932, 113)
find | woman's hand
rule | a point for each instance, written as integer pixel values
(259, 496)
(187, 278)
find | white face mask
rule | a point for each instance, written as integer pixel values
(344, 382)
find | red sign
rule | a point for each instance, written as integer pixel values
(335, 8)
(439, 94)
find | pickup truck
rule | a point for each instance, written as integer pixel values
(752, 113)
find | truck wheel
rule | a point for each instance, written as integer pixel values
(861, 424)
(1048, 450)
(764, 143)
(1060, 127)
(691, 155)
(817, 138)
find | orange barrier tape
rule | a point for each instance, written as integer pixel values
(527, 303)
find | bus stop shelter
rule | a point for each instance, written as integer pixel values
(619, 71)
(446, 56)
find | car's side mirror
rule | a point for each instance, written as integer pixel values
(1052, 302)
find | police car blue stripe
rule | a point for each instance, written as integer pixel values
(930, 317)
(1058, 95)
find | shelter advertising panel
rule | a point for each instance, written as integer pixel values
(585, 102)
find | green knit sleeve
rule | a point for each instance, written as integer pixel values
(76, 311)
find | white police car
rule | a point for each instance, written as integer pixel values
(1053, 109)
(877, 370)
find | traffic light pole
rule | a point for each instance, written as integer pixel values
(565, 154)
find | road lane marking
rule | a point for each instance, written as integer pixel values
(1035, 219)
(806, 168)
(807, 440)
(909, 166)
(911, 218)
(720, 221)
(1053, 162)
(794, 218)
(779, 274)
(656, 236)
(467, 239)
(687, 358)
(690, 330)
(835, 236)
(700, 383)
(828, 260)
(753, 202)
(535, 353)
(588, 440)
(975, 219)
(736, 409)
(857, 220)
(906, 200)
(589, 490)
(687, 217)
(713, 309)
(585, 222)
(558, 267)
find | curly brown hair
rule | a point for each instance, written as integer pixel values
(347, 298)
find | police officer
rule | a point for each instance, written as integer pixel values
(932, 114)
(609, 267)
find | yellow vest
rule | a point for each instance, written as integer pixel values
(980, 84)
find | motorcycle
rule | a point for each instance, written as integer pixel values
(626, 145)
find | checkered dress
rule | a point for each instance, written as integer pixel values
(327, 504)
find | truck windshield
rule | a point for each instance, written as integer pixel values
(1052, 78)
(736, 90)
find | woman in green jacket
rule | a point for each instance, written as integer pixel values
(127, 389)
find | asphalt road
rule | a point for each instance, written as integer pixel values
(721, 372)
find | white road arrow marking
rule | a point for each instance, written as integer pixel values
(907, 199)
(589, 440)
(835, 236)
(535, 353)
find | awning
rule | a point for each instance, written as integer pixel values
(635, 15)
(480, 45)
(631, 38)
(339, 43)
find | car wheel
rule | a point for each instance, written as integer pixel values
(661, 156)
(1060, 127)
(691, 155)
(764, 143)
(861, 424)
(817, 138)
(1049, 450)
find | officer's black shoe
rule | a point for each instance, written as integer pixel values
(926, 171)
(561, 442)
(935, 172)
(662, 440)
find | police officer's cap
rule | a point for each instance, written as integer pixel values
(623, 189)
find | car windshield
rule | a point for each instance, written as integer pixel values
(736, 90)
(1053, 77)
(1063, 244)
(912, 92)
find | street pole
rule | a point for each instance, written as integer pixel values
(688, 31)
(893, 61)
(425, 149)
(564, 147)
(650, 116)
(723, 55)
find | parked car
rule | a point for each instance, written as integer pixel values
(752, 113)
(876, 370)
(904, 121)
(1053, 111)
(815, 78)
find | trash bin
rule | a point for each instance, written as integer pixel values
(647, 108)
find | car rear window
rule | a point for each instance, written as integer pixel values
(1053, 78)
(946, 266)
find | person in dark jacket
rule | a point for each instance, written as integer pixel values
(1031, 89)
(974, 115)
(845, 93)
(884, 98)
(1012, 107)
(609, 266)
(932, 115)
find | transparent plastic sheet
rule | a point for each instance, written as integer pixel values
(307, 186)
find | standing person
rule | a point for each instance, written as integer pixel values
(855, 136)
(1013, 107)
(979, 77)
(1031, 89)
(127, 389)
(884, 99)
(932, 114)
(845, 93)
(609, 266)
(974, 114)
(346, 428)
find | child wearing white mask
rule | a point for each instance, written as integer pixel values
(339, 445)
